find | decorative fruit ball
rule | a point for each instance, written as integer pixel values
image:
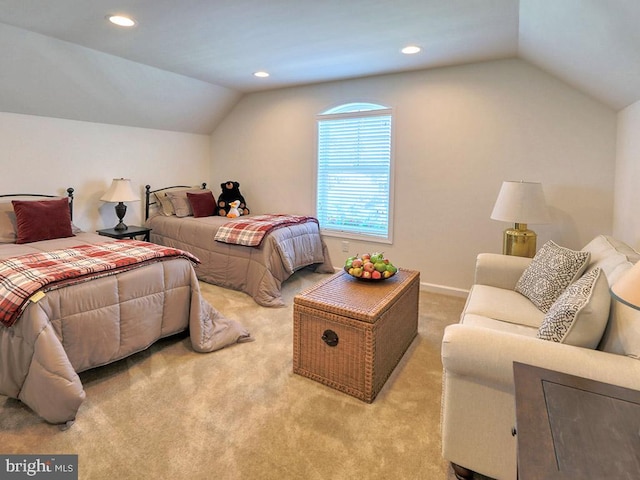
(370, 266)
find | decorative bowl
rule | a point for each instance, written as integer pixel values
(367, 279)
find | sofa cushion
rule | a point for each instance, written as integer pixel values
(612, 256)
(551, 271)
(622, 335)
(503, 305)
(579, 316)
(498, 325)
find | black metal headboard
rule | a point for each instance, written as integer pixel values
(147, 195)
(40, 195)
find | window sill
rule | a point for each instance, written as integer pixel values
(356, 236)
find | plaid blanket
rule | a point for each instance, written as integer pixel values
(250, 231)
(23, 276)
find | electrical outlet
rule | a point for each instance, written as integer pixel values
(345, 246)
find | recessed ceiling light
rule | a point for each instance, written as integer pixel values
(410, 49)
(261, 74)
(121, 20)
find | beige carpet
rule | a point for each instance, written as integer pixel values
(240, 413)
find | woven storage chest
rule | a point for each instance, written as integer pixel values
(350, 334)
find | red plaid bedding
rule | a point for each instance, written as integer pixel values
(21, 277)
(250, 231)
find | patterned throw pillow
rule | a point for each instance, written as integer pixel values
(551, 271)
(579, 316)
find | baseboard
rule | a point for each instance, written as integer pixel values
(433, 288)
(444, 290)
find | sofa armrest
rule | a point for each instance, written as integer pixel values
(487, 356)
(497, 270)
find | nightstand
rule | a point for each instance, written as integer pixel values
(131, 232)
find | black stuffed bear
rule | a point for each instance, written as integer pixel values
(231, 193)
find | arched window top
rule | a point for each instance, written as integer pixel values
(354, 107)
(354, 176)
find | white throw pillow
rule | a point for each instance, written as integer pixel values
(579, 315)
(550, 272)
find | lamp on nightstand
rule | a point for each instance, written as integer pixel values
(520, 203)
(120, 191)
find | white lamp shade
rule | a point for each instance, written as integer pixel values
(120, 191)
(627, 289)
(521, 202)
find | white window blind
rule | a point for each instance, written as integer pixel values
(354, 170)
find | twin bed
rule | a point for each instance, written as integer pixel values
(95, 316)
(259, 270)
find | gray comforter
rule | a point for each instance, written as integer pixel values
(89, 324)
(258, 271)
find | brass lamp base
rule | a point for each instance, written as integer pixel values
(519, 241)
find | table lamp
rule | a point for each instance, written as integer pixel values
(520, 203)
(120, 191)
(627, 289)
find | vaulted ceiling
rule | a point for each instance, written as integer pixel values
(187, 62)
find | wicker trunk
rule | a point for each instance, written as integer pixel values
(350, 334)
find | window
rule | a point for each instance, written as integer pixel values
(354, 172)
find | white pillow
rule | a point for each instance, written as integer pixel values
(550, 272)
(579, 316)
(612, 255)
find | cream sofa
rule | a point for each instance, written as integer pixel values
(499, 326)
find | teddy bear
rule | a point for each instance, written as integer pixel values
(230, 193)
(233, 211)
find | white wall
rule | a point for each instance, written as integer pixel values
(627, 194)
(459, 132)
(47, 155)
(48, 77)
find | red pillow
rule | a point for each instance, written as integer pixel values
(202, 204)
(42, 219)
